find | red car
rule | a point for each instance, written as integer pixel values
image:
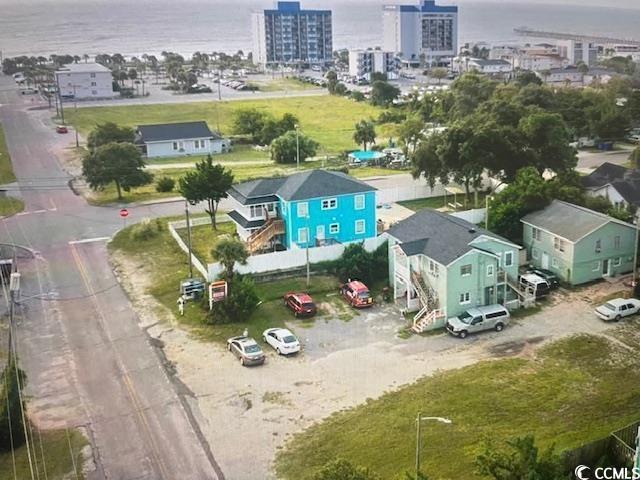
(300, 303)
(62, 129)
(357, 294)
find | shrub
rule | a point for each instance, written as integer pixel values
(165, 184)
(146, 230)
(391, 116)
(356, 262)
(241, 302)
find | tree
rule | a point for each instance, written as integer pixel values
(521, 460)
(411, 133)
(527, 77)
(383, 93)
(229, 251)
(248, 121)
(107, 133)
(634, 157)
(208, 182)
(119, 163)
(527, 193)
(285, 148)
(341, 469)
(426, 162)
(547, 142)
(365, 133)
(438, 73)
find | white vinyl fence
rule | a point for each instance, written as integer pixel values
(289, 259)
(474, 216)
(173, 226)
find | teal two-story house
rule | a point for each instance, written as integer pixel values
(306, 209)
(441, 265)
(577, 244)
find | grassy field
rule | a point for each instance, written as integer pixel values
(282, 85)
(439, 202)
(6, 168)
(168, 266)
(57, 457)
(563, 397)
(10, 206)
(327, 119)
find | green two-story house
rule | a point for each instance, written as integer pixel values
(441, 265)
(577, 244)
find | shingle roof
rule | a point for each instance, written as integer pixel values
(605, 173)
(299, 186)
(244, 223)
(437, 235)
(626, 181)
(175, 131)
(569, 221)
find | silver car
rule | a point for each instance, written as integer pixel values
(247, 350)
(491, 317)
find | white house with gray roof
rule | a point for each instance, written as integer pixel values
(579, 245)
(84, 81)
(441, 265)
(179, 139)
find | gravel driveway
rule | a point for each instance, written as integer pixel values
(247, 413)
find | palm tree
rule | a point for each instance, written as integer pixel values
(229, 251)
(365, 133)
(86, 58)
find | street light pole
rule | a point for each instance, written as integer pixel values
(635, 256)
(75, 108)
(297, 148)
(307, 253)
(419, 420)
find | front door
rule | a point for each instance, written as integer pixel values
(320, 233)
(488, 296)
(545, 261)
(605, 268)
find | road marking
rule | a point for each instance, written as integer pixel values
(89, 240)
(53, 205)
(125, 375)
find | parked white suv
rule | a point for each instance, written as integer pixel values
(491, 317)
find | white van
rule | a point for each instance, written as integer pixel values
(535, 284)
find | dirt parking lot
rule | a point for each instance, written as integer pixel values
(246, 414)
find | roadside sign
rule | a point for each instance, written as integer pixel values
(217, 292)
(124, 213)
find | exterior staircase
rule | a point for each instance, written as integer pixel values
(526, 294)
(429, 312)
(258, 239)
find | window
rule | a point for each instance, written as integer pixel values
(489, 270)
(303, 210)
(199, 144)
(508, 259)
(334, 228)
(617, 262)
(175, 145)
(465, 270)
(303, 235)
(554, 263)
(464, 298)
(256, 211)
(93, 75)
(596, 266)
(616, 241)
(94, 92)
(598, 246)
(329, 203)
(359, 202)
(535, 254)
(536, 233)
(558, 244)
(93, 84)
(433, 268)
(359, 226)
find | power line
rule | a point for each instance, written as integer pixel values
(13, 453)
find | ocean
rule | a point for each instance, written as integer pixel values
(43, 27)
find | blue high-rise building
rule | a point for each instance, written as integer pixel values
(291, 35)
(425, 30)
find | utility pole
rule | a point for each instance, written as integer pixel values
(75, 107)
(186, 209)
(307, 253)
(297, 147)
(635, 256)
(219, 82)
(60, 98)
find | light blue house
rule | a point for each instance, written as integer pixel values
(306, 209)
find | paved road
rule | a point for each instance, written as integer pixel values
(88, 361)
(591, 160)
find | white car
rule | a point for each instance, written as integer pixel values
(617, 308)
(282, 340)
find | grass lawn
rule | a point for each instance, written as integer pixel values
(282, 84)
(439, 202)
(10, 206)
(57, 457)
(563, 397)
(6, 168)
(327, 119)
(168, 266)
